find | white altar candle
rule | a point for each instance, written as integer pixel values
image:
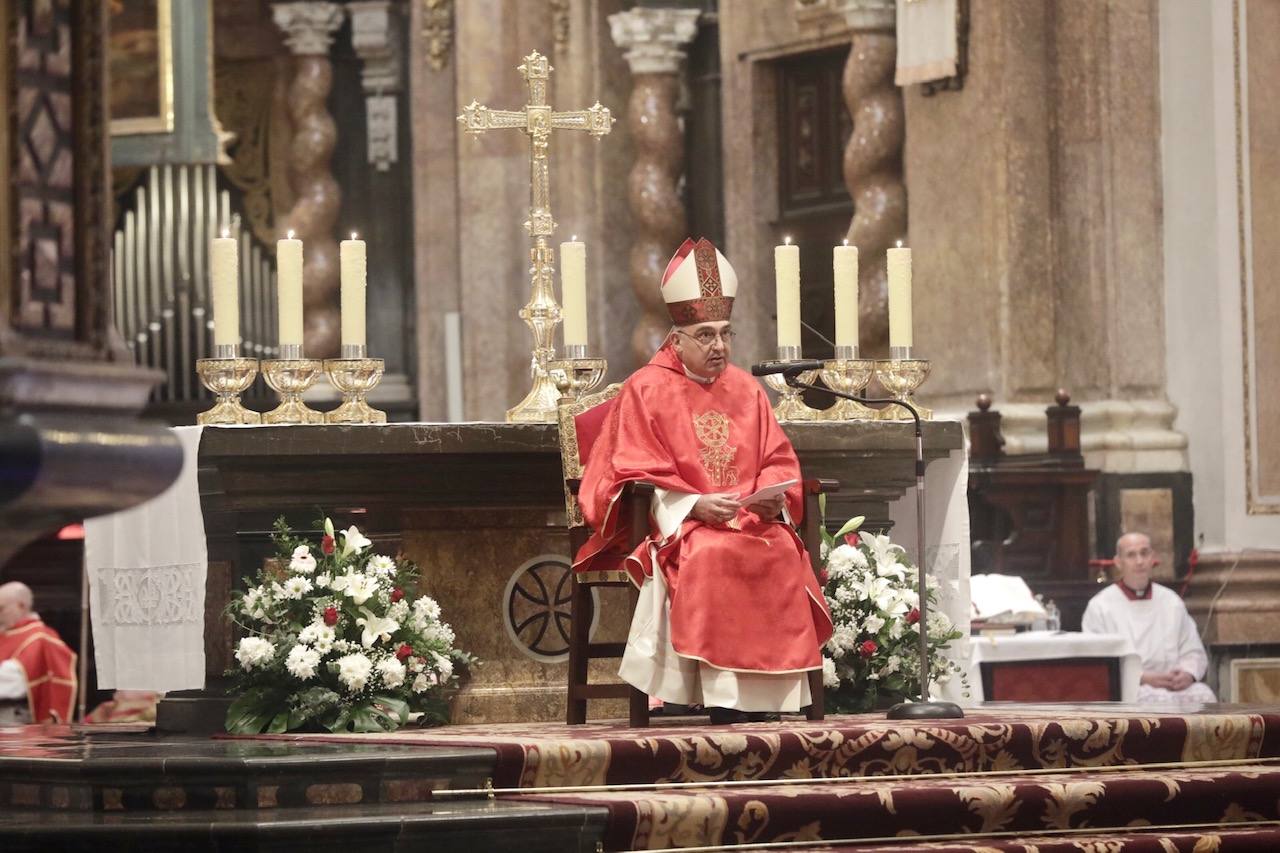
(351, 259)
(289, 289)
(786, 268)
(224, 284)
(899, 296)
(573, 287)
(845, 263)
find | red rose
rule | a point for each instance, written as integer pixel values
(326, 544)
(914, 616)
(851, 539)
(403, 653)
(823, 577)
(331, 616)
(396, 594)
(868, 648)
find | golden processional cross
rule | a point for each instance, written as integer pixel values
(542, 314)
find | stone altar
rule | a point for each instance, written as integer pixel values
(480, 507)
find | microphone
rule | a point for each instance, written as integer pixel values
(786, 368)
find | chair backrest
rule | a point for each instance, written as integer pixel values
(580, 422)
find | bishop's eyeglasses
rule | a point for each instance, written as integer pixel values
(707, 337)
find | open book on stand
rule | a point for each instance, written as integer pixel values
(1003, 603)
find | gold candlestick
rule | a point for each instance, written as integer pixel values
(541, 314)
(227, 377)
(789, 406)
(354, 376)
(290, 378)
(577, 376)
(901, 377)
(849, 374)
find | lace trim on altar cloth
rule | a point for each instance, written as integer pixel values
(152, 595)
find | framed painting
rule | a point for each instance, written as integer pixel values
(140, 60)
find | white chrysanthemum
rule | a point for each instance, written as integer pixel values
(845, 594)
(896, 628)
(391, 671)
(399, 611)
(939, 623)
(343, 646)
(426, 607)
(323, 581)
(843, 638)
(873, 624)
(296, 587)
(254, 651)
(829, 677)
(319, 635)
(302, 662)
(840, 561)
(443, 665)
(382, 566)
(302, 562)
(353, 671)
(891, 665)
(424, 682)
(859, 559)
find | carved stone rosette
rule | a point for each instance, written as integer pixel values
(654, 41)
(309, 29)
(873, 173)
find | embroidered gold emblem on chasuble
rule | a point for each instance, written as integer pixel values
(712, 430)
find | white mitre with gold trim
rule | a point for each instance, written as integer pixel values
(699, 284)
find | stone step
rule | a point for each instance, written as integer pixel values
(464, 827)
(60, 770)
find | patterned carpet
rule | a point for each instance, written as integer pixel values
(1080, 779)
(539, 755)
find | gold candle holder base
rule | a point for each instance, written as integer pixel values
(354, 378)
(576, 377)
(227, 378)
(290, 377)
(851, 376)
(901, 377)
(789, 406)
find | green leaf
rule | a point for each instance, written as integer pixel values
(252, 712)
(279, 724)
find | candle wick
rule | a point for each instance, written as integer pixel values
(899, 244)
(786, 241)
(290, 233)
(846, 241)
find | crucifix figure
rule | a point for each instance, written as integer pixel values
(542, 313)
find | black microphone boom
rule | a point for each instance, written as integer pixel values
(786, 368)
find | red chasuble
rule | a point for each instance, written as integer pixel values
(743, 596)
(50, 667)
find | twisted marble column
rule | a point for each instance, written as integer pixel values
(309, 29)
(654, 40)
(873, 174)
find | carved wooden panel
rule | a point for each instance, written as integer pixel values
(57, 274)
(813, 128)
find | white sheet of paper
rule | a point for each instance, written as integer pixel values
(766, 492)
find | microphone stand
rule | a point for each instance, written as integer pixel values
(924, 709)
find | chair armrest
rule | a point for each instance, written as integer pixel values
(638, 495)
(821, 487)
(573, 484)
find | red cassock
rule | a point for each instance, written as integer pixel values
(743, 596)
(50, 667)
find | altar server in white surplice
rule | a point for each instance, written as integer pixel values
(1156, 620)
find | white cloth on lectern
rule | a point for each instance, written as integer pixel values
(928, 46)
(147, 568)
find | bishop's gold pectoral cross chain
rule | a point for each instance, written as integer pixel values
(542, 314)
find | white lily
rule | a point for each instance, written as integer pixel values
(356, 586)
(375, 628)
(353, 541)
(883, 552)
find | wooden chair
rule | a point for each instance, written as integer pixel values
(580, 421)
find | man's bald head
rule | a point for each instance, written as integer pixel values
(1134, 559)
(15, 603)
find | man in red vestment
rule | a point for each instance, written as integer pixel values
(37, 670)
(730, 613)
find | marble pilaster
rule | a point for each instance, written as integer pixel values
(655, 42)
(309, 29)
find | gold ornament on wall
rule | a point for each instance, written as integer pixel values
(437, 31)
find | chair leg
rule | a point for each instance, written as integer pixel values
(637, 702)
(580, 607)
(817, 708)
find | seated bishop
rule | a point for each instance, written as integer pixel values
(1156, 620)
(730, 614)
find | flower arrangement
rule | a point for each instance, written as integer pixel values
(873, 655)
(336, 641)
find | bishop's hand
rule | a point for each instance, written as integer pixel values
(715, 508)
(769, 508)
